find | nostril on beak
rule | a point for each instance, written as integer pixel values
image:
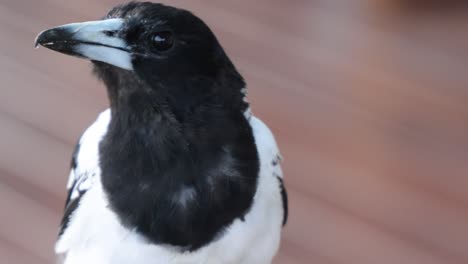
(110, 33)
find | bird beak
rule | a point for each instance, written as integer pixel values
(94, 40)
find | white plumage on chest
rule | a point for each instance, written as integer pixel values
(95, 236)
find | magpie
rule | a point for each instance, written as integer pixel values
(177, 170)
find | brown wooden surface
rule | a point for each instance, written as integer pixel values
(368, 103)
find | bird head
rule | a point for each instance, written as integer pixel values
(144, 47)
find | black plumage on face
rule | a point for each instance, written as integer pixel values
(173, 53)
(169, 41)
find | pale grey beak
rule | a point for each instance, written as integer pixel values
(94, 40)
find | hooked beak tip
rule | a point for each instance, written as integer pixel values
(37, 40)
(48, 37)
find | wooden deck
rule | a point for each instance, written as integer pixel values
(368, 102)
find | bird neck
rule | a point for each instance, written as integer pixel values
(178, 173)
(182, 98)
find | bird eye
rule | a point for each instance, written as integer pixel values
(162, 41)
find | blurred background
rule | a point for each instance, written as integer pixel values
(368, 101)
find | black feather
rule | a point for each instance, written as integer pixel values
(177, 131)
(71, 205)
(284, 197)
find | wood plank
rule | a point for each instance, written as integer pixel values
(27, 223)
(34, 156)
(10, 253)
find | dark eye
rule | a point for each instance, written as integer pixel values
(162, 41)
